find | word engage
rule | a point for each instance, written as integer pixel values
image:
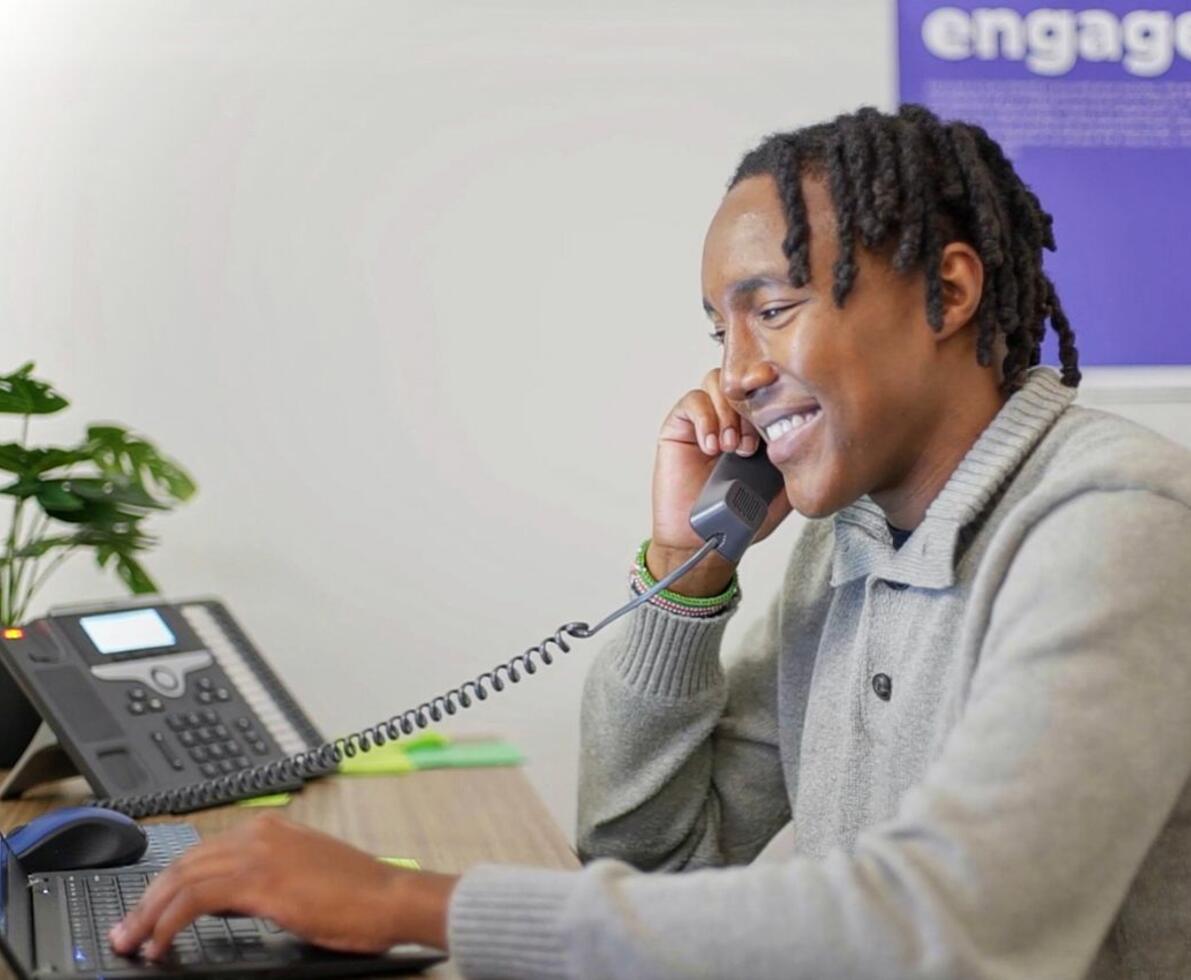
(1051, 41)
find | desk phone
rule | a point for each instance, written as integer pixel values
(145, 698)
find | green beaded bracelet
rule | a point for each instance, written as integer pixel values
(691, 602)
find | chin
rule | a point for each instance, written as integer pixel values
(815, 512)
(815, 502)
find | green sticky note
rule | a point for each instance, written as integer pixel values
(402, 863)
(465, 754)
(272, 799)
(430, 750)
(423, 739)
(380, 760)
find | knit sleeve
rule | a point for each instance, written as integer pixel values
(1013, 854)
(679, 764)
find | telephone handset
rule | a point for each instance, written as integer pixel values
(735, 500)
(168, 707)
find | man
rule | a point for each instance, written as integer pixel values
(968, 703)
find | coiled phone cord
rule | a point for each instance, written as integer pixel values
(323, 759)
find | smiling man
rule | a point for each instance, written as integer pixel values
(958, 743)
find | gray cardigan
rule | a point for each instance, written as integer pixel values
(981, 744)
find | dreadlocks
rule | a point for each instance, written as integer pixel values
(914, 183)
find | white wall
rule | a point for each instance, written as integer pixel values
(409, 287)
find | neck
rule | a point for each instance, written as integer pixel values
(963, 417)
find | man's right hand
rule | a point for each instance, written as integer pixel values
(701, 426)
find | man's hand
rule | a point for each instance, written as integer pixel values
(307, 882)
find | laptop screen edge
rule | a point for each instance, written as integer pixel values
(16, 921)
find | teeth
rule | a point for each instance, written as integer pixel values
(791, 422)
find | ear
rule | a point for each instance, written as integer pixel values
(961, 276)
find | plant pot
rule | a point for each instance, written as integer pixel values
(18, 719)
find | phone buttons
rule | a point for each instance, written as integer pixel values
(164, 675)
(165, 679)
(139, 702)
(158, 739)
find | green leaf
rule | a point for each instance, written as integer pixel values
(35, 549)
(117, 490)
(56, 497)
(87, 500)
(116, 451)
(53, 457)
(170, 475)
(134, 575)
(127, 538)
(94, 513)
(15, 458)
(22, 394)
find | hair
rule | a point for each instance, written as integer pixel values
(911, 179)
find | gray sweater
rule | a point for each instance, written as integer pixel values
(980, 745)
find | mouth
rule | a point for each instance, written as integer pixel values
(785, 435)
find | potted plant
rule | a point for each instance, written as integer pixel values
(93, 496)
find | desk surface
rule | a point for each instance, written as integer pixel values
(448, 819)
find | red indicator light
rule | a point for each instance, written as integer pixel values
(14, 634)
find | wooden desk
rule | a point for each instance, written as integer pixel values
(448, 819)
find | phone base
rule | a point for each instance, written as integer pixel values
(42, 761)
(18, 718)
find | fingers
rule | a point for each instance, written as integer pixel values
(206, 862)
(222, 894)
(705, 416)
(736, 433)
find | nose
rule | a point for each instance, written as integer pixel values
(746, 368)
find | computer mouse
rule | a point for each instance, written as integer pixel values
(78, 837)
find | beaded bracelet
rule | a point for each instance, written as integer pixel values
(642, 580)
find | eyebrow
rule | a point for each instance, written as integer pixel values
(744, 289)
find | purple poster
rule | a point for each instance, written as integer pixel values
(1093, 105)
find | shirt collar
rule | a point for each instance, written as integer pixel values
(927, 559)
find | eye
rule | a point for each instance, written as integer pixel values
(717, 336)
(772, 314)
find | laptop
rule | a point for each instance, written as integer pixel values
(55, 924)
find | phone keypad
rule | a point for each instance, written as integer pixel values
(217, 747)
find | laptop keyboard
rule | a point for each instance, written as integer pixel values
(96, 902)
(167, 843)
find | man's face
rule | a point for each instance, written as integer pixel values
(858, 378)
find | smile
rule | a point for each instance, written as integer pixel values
(786, 434)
